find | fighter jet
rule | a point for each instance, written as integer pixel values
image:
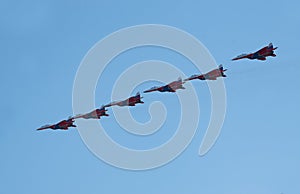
(212, 75)
(131, 101)
(64, 125)
(95, 114)
(171, 87)
(260, 54)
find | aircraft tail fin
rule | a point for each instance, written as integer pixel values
(138, 94)
(270, 45)
(222, 70)
(221, 67)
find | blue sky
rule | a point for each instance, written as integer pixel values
(43, 43)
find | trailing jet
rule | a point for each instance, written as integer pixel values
(95, 114)
(260, 54)
(171, 87)
(212, 75)
(64, 125)
(131, 101)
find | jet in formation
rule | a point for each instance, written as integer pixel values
(212, 75)
(95, 114)
(64, 125)
(261, 54)
(131, 101)
(171, 87)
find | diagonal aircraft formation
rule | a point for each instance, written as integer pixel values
(261, 54)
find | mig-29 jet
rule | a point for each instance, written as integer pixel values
(260, 54)
(131, 101)
(212, 75)
(95, 114)
(64, 125)
(171, 87)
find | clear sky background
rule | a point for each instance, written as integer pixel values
(43, 43)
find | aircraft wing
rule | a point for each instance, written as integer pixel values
(212, 78)
(176, 84)
(152, 89)
(113, 103)
(77, 116)
(262, 51)
(242, 56)
(262, 58)
(172, 90)
(192, 77)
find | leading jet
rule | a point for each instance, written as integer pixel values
(131, 101)
(64, 125)
(260, 54)
(212, 75)
(171, 87)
